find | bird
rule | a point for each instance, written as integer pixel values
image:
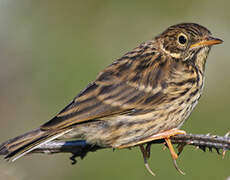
(145, 95)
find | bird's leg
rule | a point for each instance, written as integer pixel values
(148, 150)
(166, 136)
(173, 154)
(163, 135)
(146, 155)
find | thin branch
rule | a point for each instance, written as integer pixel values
(80, 148)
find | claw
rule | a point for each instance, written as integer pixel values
(174, 155)
(148, 168)
(145, 154)
(177, 168)
(163, 135)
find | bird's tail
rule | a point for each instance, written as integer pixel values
(23, 144)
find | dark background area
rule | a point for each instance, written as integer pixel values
(50, 50)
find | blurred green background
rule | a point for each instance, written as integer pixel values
(50, 50)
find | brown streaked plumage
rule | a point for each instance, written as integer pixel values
(145, 95)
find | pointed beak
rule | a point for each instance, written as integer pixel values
(207, 42)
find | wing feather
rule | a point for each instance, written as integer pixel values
(120, 88)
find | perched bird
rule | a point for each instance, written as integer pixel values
(145, 95)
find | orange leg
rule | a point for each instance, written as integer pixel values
(163, 135)
(173, 154)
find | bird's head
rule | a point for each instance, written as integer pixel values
(187, 41)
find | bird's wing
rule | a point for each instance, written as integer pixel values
(130, 83)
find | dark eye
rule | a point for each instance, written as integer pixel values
(182, 39)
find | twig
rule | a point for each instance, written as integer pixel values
(80, 148)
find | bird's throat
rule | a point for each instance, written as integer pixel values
(201, 57)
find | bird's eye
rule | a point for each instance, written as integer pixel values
(182, 39)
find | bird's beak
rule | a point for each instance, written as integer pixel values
(207, 42)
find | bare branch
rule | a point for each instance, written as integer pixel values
(80, 148)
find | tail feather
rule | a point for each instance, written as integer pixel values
(14, 143)
(23, 144)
